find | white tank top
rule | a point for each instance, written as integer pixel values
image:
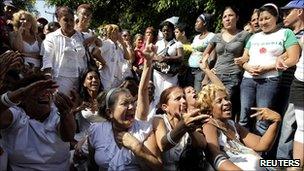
(28, 48)
(171, 157)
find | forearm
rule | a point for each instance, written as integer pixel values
(198, 139)
(176, 134)
(35, 55)
(146, 159)
(268, 138)
(17, 42)
(14, 97)
(143, 92)
(67, 127)
(213, 78)
(174, 58)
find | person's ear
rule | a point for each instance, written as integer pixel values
(300, 12)
(183, 33)
(109, 113)
(164, 107)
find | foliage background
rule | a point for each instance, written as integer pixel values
(136, 15)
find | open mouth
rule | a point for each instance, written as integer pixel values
(129, 116)
(43, 101)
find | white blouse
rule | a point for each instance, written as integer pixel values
(108, 155)
(117, 67)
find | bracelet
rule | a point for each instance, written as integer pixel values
(218, 160)
(170, 139)
(6, 101)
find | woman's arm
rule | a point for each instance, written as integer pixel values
(207, 54)
(143, 90)
(179, 55)
(35, 55)
(213, 152)
(147, 153)
(198, 139)
(128, 50)
(293, 54)
(16, 40)
(265, 142)
(67, 124)
(241, 60)
(166, 140)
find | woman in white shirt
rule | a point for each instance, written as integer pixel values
(116, 54)
(168, 50)
(125, 141)
(63, 53)
(25, 38)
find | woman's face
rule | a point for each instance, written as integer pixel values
(66, 22)
(178, 34)
(199, 25)
(190, 95)
(126, 36)
(25, 22)
(139, 41)
(123, 112)
(267, 22)
(92, 81)
(167, 33)
(255, 21)
(148, 33)
(176, 104)
(229, 19)
(85, 17)
(221, 106)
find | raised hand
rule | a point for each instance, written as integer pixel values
(266, 114)
(63, 103)
(194, 119)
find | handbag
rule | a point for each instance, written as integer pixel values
(169, 67)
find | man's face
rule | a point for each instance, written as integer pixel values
(290, 17)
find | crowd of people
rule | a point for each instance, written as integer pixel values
(76, 98)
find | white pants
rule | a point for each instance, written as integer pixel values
(299, 135)
(162, 82)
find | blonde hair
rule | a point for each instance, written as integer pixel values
(29, 17)
(207, 95)
(110, 29)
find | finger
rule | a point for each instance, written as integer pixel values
(256, 114)
(66, 99)
(256, 108)
(201, 117)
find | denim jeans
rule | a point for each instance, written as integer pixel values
(232, 85)
(257, 93)
(288, 129)
(198, 77)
